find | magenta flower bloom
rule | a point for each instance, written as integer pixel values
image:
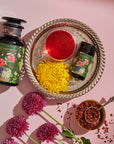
(17, 126)
(47, 132)
(10, 141)
(33, 103)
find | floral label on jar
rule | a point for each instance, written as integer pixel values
(82, 64)
(11, 60)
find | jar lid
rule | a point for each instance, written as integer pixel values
(13, 22)
(87, 48)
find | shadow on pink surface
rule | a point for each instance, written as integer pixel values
(3, 88)
(17, 111)
(33, 135)
(3, 133)
(69, 122)
(25, 84)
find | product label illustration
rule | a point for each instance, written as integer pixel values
(11, 60)
(82, 63)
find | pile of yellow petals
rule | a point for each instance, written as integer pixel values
(53, 76)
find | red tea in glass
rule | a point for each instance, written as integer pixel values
(60, 45)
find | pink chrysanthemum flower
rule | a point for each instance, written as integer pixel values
(10, 141)
(17, 126)
(33, 103)
(47, 132)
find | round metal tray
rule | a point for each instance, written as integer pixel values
(80, 32)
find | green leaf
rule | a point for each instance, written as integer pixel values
(14, 80)
(85, 141)
(67, 134)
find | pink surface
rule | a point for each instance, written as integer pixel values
(99, 15)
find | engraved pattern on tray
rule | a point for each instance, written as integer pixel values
(80, 32)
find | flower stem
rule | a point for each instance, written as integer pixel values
(31, 138)
(63, 127)
(59, 140)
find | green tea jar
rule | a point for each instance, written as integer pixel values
(83, 60)
(11, 51)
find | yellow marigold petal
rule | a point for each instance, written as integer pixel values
(53, 76)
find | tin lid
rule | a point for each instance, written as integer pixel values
(87, 48)
(13, 22)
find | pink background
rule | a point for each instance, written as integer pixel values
(97, 14)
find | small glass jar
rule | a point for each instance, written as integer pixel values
(83, 60)
(11, 51)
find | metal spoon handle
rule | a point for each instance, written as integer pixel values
(110, 100)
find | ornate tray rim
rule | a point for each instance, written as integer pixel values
(31, 42)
